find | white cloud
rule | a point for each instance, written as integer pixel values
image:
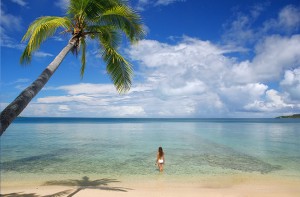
(291, 84)
(192, 78)
(57, 38)
(247, 29)
(85, 105)
(144, 4)
(20, 2)
(288, 20)
(85, 99)
(289, 17)
(189, 52)
(277, 53)
(45, 110)
(199, 69)
(88, 88)
(7, 41)
(92, 100)
(167, 2)
(42, 54)
(9, 23)
(239, 31)
(19, 81)
(63, 108)
(274, 102)
(62, 4)
(273, 56)
(241, 95)
(141, 4)
(291, 77)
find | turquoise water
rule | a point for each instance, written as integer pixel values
(127, 147)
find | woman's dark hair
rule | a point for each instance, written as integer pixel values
(160, 152)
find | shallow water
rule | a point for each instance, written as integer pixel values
(127, 147)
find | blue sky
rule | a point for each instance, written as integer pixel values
(208, 58)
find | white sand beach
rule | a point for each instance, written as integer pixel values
(233, 186)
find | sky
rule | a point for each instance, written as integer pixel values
(199, 59)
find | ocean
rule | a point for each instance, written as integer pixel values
(45, 149)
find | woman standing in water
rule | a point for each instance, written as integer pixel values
(160, 159)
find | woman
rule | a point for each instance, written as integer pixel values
(160, 159)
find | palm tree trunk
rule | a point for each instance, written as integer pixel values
(20, 103)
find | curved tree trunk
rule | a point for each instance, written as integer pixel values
(19, 104)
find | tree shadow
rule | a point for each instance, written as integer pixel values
(84, 183)
(21, 194)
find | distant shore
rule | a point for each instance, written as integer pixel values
(290, 116)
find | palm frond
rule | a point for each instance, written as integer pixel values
(118, 68)
(90, 8)
(26, 56)
(77, 6)
(126, 20)
(95, 7)
(39, 31)
(76, 11)
(108, 34)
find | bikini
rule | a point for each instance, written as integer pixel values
(161, 161)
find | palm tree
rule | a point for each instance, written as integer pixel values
(105, 21)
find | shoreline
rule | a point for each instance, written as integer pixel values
(228, 185)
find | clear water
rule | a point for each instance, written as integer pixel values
(118, 148)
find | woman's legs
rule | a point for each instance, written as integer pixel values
(161, 167)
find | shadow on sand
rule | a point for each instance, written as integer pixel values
(84, 183)
(21, 194)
